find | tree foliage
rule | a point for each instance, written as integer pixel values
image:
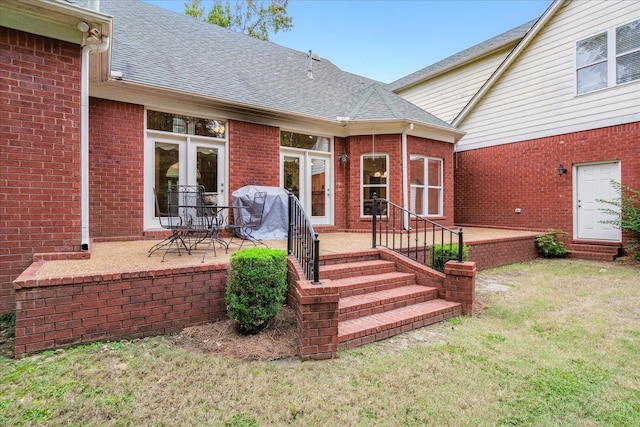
(257, 18)
(626, 214)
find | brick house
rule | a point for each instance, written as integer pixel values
(105, 101)
(551, 112)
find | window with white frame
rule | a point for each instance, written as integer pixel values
(609, 58)
(182, 149)
(426, 186)
(374, 179)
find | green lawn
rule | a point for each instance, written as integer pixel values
(561, 346)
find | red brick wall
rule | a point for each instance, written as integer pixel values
(494, 253)
(490, 183)
(53, 313)
(39, 152)
(116, 178)
(254, 155)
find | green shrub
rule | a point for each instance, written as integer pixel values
(550, 246)
(8, 324)
(440, 254)
(257, 287)
(626, 215)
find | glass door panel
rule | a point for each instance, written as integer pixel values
(207, 168)
(166, 170)
(291, 174)
(319, 189)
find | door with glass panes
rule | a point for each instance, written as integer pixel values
(187, 162)
(307, 175)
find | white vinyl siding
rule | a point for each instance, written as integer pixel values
(446, 94)
(536, 96)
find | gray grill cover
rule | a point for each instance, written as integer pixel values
(276, 210)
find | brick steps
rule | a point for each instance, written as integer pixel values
(377, 301)
(352, 269)
(604, 252)
(364, 330)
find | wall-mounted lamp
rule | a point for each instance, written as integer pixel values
(561, 170)
(342, 158)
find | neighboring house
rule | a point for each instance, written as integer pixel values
(551, 115)
(105, 101)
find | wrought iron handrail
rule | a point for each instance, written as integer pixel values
(400, 230)
(302, 240)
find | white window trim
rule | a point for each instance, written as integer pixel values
(362, 184)
(151, 222)
(611, 60)
(427, 187)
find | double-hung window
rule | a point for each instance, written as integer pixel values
(374, 180)
(426, 186)
(609, 58)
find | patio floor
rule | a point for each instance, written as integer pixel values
(109, 257)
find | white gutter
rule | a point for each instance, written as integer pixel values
(84, 139)
(405, 171)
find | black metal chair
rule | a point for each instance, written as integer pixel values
(169, 220)
(246, 220)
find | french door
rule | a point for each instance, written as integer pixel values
(182, 160)
(308, 175)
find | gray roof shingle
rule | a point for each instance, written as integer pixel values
(164, 49)
(513, 35)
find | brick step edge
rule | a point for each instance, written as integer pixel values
(358, 268)
(593, 248)
(359, 285)
(596, 256)
(364, 330)
(377, 302)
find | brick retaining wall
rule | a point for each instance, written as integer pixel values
(57, 312)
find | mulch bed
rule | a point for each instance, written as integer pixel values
(279, 340)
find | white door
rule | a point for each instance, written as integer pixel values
(593, 183)
(307, 175)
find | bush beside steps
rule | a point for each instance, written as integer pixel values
(256, 288)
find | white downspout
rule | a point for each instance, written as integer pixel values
(405, 172)
(84, 139)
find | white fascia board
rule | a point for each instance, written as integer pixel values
(156, 97)
(54, 19)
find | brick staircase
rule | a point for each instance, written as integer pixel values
(377, 301)
(599, 252)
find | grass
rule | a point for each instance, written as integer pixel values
(560, 347)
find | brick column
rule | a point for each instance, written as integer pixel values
(460, 284)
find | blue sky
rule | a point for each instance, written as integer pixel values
(386, 40)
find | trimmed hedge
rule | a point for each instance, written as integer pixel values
(256, 288)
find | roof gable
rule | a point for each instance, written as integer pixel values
(511, 58)
(477, 51)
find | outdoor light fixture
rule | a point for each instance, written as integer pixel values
(561, 170)
(83, 27)
(342, 158)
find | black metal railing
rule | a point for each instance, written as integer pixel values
(414, 236)
(302, 241)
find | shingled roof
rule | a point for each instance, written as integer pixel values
(512, 36)
(156, 47)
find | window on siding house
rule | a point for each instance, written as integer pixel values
(426, 190)
(608, 57)
(628, 52)
(374, 179)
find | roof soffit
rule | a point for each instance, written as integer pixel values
(50, 18)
